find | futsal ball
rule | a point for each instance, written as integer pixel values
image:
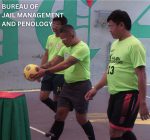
(30, 70)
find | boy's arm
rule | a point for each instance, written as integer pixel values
(141, 74)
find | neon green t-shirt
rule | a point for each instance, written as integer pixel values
(81, 70)
(125, 56)
(53, 45)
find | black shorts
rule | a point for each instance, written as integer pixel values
(123, 109)
(72, 96)
(52, 82)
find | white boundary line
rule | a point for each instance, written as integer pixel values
(33, 90)
(148, 97)
(37, 130)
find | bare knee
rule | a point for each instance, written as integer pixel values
(115, 133)
(55, 97)
(81, 118)
(61, 114)
(44, 95)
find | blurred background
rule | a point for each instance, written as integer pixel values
(24, 44)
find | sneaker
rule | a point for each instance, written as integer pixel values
(49, 134)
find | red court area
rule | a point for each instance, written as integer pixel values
(41, 119)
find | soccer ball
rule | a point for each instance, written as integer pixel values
(30, 70)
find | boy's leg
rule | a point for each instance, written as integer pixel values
(44, 97)
(129, 135)
(86, 125)
(58, 125)
(124, 111)
(88, 129)
(46, 88)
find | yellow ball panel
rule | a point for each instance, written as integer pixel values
(30, 70)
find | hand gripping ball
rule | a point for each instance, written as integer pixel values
(30, 70)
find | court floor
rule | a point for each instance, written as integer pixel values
(41, 119)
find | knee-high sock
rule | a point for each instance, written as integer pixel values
(88, 129)
(129, 135)
(51, 104)
(56, 130)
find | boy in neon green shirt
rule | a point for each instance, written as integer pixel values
(76, 65)
(123, 59)
(52, 82)
(79, 71)
(125, 77)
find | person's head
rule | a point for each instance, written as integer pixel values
(68, 35)
(58, 22)
(119, 23)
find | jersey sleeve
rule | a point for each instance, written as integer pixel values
(81, 53)
(47, 42)
(62, 51)
(138, 55)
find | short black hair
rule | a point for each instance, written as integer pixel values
(118, 16)
(67, 29)
(63, 20)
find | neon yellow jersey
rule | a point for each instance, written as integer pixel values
(53, 45)
(125, 56)
(81, 70)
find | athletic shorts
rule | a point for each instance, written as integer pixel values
(72, 96)
(52, 82)
(123, 109)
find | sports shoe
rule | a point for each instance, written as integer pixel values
(49, 134)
